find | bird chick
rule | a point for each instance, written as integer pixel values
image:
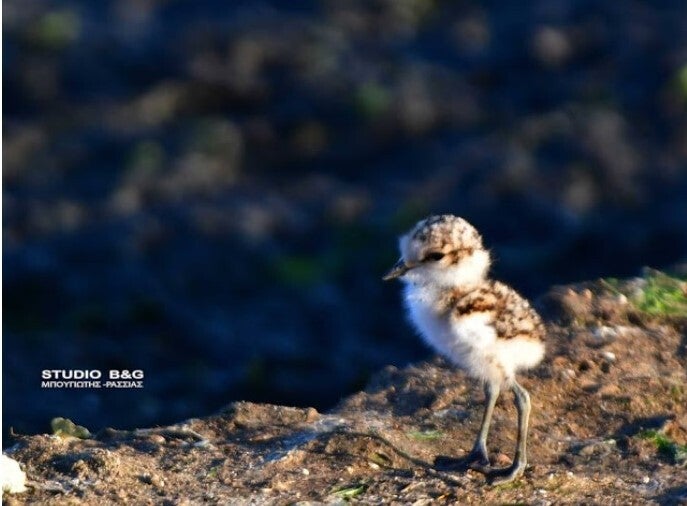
(482, 326)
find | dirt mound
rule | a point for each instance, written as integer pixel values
(609, 422)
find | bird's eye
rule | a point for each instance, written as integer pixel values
(434, 256)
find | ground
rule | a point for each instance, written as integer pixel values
(609, 424)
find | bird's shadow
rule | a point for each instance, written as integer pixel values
(457, 464)
(467, 463)
(448, 469)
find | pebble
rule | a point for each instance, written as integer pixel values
(156, 439)
(568, 374)
(203, 443)
(609, 355)
(605, 334)
(13, 479)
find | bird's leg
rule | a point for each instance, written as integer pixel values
(479, 454)
(522, 402)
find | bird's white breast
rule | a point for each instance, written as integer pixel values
(469, 341)
(465, 341)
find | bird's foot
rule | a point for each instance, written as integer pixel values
(477, 460)
(506, 474)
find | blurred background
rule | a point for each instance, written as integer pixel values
(210, 191)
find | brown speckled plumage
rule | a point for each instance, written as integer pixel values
(441, 234)
(511, 314)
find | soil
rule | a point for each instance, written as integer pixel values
(612, 375)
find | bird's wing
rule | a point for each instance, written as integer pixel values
(511, 314)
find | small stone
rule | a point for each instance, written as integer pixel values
(157, 439)
(503, 460)
(604, 335)
(609, 355)
(305, 471)
(569, 374)
(13, 478)
(311, 415)
(646, 480)
(587, 451)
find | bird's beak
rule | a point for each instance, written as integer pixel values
(398, 270)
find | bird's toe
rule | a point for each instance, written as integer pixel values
(477, 459)
(506, 475)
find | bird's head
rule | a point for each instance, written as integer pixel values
(443, 250)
